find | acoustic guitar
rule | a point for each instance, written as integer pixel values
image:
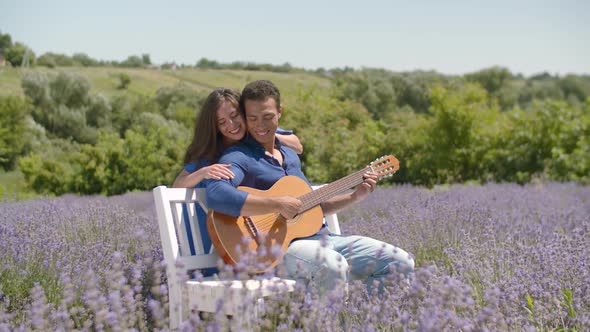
(261, 241)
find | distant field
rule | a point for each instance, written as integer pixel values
(147, 81)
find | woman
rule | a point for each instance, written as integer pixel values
(219, 125)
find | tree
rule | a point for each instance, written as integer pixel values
(451, 141)
(71, 123)
(124, 81)
(5, 41)
(412, 89)
(61, 103)
(36, 86)
(84, 60)
(16, 54)
(574, 87)
(71, 90)
(179, 102)
(46, 60)
(145, 58)
(132, 61)
(13, 126)
(491, 79)
(206, 63)
(50, 170)
(51, 60)
(99, 112)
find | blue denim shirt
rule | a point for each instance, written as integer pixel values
(252, 168)
(201, 215)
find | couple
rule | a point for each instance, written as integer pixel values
(221, 157)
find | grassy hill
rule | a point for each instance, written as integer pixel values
(105, 80)
(145, 82)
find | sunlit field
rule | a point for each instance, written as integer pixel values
(497, 257)
(146, 81)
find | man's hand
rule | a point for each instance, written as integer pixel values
(364, 189)
(288, 206)
(217, 172)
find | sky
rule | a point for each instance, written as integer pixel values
(448, 36)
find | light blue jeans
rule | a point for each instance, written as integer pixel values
(329, 259)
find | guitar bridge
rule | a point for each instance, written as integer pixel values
(251, 227)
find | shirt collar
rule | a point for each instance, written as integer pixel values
(254, 145)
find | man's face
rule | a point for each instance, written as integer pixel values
(262, 118)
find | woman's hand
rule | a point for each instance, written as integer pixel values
(217, 172)
(291, 141)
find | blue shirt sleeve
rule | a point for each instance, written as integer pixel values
(191, 167)
(282, 131)
(223, 195)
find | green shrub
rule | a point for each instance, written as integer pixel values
(124, 81)
(14, 139)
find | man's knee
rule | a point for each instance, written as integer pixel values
(401, 261)
(324, 271)
(335, 268)
(330, 275)
(407, 265)
(386, 259)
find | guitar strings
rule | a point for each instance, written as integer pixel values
(315, 197)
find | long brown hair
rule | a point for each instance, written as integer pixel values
(207, 140)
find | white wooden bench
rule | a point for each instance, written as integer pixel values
(184, 252)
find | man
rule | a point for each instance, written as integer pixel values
(259, 161)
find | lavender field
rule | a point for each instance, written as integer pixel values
(495, 257)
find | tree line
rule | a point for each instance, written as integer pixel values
(64, 138)
(16, 52)
(490, 125)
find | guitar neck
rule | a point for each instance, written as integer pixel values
(330, 190)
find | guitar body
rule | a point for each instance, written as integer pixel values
(257, 239)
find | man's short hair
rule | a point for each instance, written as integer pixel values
(259, 91)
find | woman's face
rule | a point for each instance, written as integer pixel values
(230, 123)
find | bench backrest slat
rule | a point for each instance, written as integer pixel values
(191, 225)
(180, 232)
(180, 227)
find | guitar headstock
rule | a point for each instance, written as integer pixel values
(384, 166)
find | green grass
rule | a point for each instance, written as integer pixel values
(18, 280)
(12, 187)
(146, 81)
(10, 82)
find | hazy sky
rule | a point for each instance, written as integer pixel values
(452, 37)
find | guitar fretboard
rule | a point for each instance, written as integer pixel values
(330, 190)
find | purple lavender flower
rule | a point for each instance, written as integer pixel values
(492, 257)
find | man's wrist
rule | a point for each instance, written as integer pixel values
(274, 203)
(355, 197)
